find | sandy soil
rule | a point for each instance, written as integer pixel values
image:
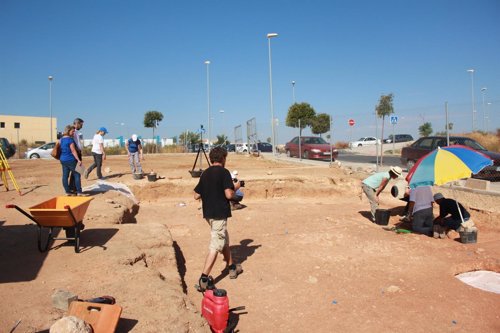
(312, 260)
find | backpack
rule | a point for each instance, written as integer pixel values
(56, 151)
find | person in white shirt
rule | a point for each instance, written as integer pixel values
(98, 153)
(420, 209)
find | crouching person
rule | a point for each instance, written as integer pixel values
(452, 216)
(215, 188)
(420, 210)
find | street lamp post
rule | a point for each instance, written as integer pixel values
(487, 116)
(483, 92)
(222, 121)
(293, 92)
(471, 71)
(50, 105)
(269, 36)
(208, 100)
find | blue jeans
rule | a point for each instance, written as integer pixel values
(423, 221)
(67, 168)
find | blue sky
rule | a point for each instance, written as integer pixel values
(114, 60)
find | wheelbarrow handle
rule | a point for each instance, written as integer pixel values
(19, 209)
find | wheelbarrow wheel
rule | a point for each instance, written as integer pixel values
(77, 239)
(44, 238)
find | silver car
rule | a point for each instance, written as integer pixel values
(40, 152)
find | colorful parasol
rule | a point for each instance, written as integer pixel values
(447, 164)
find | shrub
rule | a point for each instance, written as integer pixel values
(488, 140)
(341, 145)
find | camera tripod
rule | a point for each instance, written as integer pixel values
(197, 173)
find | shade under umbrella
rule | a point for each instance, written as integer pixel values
(447, 164)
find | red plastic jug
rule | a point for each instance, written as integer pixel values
(215, 309)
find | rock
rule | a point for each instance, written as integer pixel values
(393, 289)
(312, 279)
(107, 169)
(62, 298)
(269, 172)
(70, 324)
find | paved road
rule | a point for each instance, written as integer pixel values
(346, 156)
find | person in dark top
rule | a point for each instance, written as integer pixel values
(215, 188)
(450, 207)
(134, 152)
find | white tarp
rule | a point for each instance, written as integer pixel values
(103, 186)
(484, 280)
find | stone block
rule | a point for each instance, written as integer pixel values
(61, 299)
(478, 184)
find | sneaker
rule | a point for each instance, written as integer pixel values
(82, 194)
(236, 206)
(404, 219)
(233, 273)
(205, 283)
(70, 194)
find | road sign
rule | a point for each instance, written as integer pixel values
(394, 120)
(351, 122)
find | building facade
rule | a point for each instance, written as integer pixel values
(31, 129)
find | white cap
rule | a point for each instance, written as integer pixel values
(134, 137)
(235, 172)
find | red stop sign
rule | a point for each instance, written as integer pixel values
(351, 122)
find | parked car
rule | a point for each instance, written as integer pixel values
(8, 149)
(40, 152)
(231, 147)
(411, 154)
(364, 141)
(242, 147)
(311, 147)
(262, 147)
(399, 138)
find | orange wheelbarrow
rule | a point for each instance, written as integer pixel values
(59, 212)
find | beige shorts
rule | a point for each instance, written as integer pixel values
(219, 238)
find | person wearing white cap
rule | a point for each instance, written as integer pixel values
(375, 184)
(134, 152)
(98, 153)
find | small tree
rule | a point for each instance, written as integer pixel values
(321, 124)
(221, 140)
(425, 129)
(302, 111)
(383, 109)
(152, 120)
(189, 138)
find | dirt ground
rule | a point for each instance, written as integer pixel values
(312, 260)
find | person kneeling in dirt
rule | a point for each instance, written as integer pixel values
(420, 210)
(450, 218)
(235, 201)
(215, 188)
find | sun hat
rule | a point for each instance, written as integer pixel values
(438, 196)
(134, 137)
(103, 129)
(396, 170)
